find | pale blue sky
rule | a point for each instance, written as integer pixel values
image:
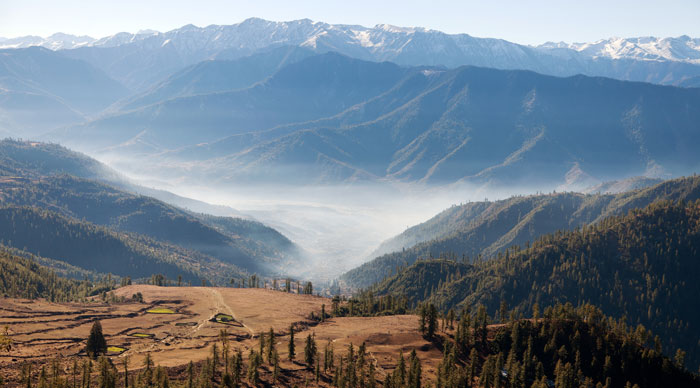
(522, 21)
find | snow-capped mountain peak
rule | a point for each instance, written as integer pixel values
(256, 33)
(646, 48)
(152, 55)
(57, 41)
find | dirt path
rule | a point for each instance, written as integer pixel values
(221, 306)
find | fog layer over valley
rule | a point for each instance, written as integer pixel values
(337, 226)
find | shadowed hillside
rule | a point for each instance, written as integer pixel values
(34, 175)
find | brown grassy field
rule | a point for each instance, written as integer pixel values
(42, 330)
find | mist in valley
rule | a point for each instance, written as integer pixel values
(338, 226)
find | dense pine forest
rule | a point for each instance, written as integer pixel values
(99, 249)
(638, 266)
(565, 347)
(22, 277)
(234, 240)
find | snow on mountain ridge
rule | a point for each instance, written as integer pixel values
(256, 33)
(647, 48)
(57, 41)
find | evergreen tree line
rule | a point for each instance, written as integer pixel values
(566, 347)
(367, 304)
(22, 277)
(642, 266)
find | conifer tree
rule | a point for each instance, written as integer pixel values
(107, 376)
(125, 363)
(225, 349)
(451, 318)
(270, 345)
(310, 351)
(317, 371)
(400, 372)
(291, 347)
(190, 375)
(253, 365)
(503, 311)
(371, 378)
(96, 343)
(214, 361)
(328, 357)
(275, 366)
(414, 373)
(87, 372)
(261, 350)
(74, 371)
(473, 365)
(350, 374)
(431, 318)
(147, 374)
(237, 368)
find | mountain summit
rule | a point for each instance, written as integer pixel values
(140, 59)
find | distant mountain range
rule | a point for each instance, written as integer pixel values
(41, 89)
(680, 49)
(330, 118)
(143, 58)
(312, 102)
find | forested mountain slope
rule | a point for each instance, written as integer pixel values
(22, 277)
(99, 249)
(642, 266)
(246, 244)
(36, 159)
(34, 175)
(562, 347)
(485, 228)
